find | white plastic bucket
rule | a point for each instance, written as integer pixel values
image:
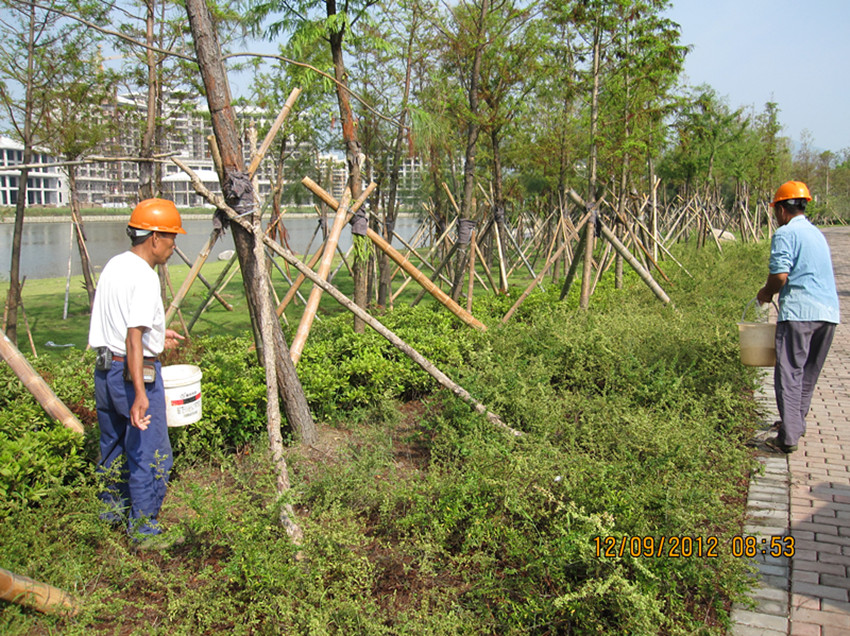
(182, 383)
(757, 341)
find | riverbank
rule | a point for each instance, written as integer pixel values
(119, 215)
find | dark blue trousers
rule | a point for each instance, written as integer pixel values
(134, 464)
(801, 348)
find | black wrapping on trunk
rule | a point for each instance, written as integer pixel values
(464, 231)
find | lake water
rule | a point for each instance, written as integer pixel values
(45, 245)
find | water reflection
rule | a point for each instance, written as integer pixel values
(45, 247)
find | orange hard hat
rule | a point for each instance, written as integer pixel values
(791, 190)
(157, 215)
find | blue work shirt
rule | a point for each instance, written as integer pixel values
(799, 249)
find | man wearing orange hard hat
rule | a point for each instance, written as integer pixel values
(128, 332)
(800, 271)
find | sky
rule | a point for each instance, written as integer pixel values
(792, 52)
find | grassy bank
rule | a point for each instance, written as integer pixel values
(419, 517)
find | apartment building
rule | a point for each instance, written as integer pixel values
(186, 131)
(46, 185)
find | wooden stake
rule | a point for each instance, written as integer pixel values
(471, 283)
(297, 346)
(40, 596)
(367, 318)
(278, 122)
(177, 300)
(201, 278)
(36, 385)
(309, 183)
(408, 267)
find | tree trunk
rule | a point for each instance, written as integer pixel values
(584, 299)
(392, 199)
(499, 209)
(353, 160)
(146, 168)
(227, 137)
(13, 298)
(472, 131)
(80, 232)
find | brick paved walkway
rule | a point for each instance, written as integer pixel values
(809, 594)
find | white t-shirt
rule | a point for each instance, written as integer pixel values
(128, 295)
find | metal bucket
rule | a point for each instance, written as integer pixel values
(757, 341)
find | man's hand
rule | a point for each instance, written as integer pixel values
(774, 283)
(172, 339)
(139, 412)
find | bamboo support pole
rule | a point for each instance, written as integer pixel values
(361, 313)
(343, 262)
(36, 385)
(68, 277)
(503, 273)
(177, 300)
(471, 283)
(278, 122)
(201, 278)
(216, 286)
(293, 289)
(408, 267)
(522, 257)
(300, 339)
(164, 267)
(310, 184)
(27, 326)
(631, 260)
(40, 596)
(426, 259)
(411, 246)
(485, 266)
(535, 282)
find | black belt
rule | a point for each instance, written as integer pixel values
(121, 358)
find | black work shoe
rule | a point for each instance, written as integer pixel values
(775, 445)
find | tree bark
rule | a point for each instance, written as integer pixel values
(352, 157)
(472, 131)
(146, 168)
(227, 137)
(384, 291)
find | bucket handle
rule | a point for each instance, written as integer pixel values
(744, 313)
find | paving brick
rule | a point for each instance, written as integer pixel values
(804, 629)
(831, 605)
(819, 617)
(821, 591)
(820, 567)
(835, 580)
(815, 546)
(817, 528)
(804, 601)
(759, 620)
(840, 559)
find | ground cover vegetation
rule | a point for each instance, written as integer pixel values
(419, 516)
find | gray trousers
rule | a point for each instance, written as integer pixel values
(801, 349)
